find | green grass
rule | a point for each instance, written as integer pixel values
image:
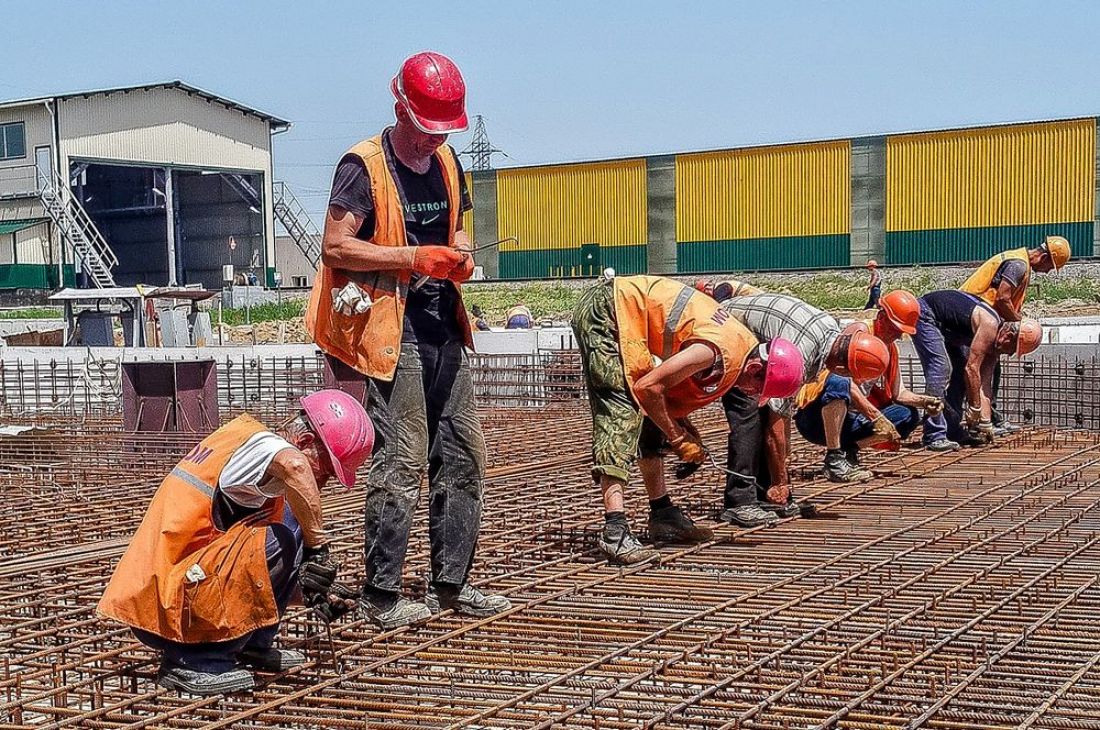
(270, 312)
(32, 313)
(544, 299)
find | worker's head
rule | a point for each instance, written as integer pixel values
(335, 434)
(431, 100)
(898, 312)
(872, 264)
(705, 286)
(476, 311)
(772, 370)
(859, 355)
(1019, 338)
(1052, 255)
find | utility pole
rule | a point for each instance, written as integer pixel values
(481, 149)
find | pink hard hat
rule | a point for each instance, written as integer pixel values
(785, 366)
(345, 429)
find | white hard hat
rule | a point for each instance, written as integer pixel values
(609, 273)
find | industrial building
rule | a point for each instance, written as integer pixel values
(158, 184)
(916, 198)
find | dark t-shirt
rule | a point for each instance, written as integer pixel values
(1014, 271)
(953, 313)
(431, 310)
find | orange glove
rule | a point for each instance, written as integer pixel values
(436, 261)
(688, 448)
(779, 493)
(464, 270)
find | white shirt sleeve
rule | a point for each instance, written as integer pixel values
(241, 476)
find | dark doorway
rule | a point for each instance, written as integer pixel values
(220, 221)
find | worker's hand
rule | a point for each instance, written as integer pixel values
(689, 427)
(932, 406)
(464, 270)
(339, 601)
(350, 300)
(886, 432)
(316, 574)
(436, 261)
(689, 448)
(973, 415)
(982, 431)
(779, 493)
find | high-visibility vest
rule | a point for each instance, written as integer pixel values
(882, 393)
(182, 578)
(980, 283)
(659, 317)
(370, 342)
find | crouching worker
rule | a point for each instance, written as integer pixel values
(232, 534)
(653, 351)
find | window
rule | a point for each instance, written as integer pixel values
(299, 281)
(13, 143)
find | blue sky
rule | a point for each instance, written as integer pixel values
(563, 81)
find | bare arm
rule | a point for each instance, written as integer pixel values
(1003, 303)
(777, 446)
(340, 249)
(860, 402)
(651, 388)
(292, 468)
(982, 349)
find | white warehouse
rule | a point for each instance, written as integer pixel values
(158, 184)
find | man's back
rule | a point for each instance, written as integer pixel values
(778, 315)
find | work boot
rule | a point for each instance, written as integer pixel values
(1004, 428)
(671, 525)
(390, 611)
(272, 659)
(748, 515)
(469, 601)
(620, 546)
(839, 469)
(203, 683)
(942, 444)
(789, 509)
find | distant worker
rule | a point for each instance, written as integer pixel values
(762, 491)
(730, 288)
(654, 351)
(479, 319)
(386, 309)
(518, 318)
(958, 339)
(874, 285)
(231, 535)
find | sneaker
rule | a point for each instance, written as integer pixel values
(839, 469)
(748, 515)
(942, 444)
(673, 526)
(272, 659)
(620, 546)
(1000, 428)
(204, 684)
(395, 614)
(790, 509)
(469, 601)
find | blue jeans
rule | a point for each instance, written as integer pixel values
(873, 297)
(944, 365)
(284, 556)
(856, 427)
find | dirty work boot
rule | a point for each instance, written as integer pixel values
(670, 524)
(203, 683)
(621, 547)
(390, 610)
(272, 659)
(1004, 428)
(789, 509)
(839, 469)
(469, 601)
(943, 444)
(748, 515)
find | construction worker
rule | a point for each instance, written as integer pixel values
(653, 351)
(874, 285)
(386, 309)
(518, 318)
(958, 339)
(759, 490)
(233, 532)
(479, 319)
(730, 288)
(835, 413)
(1002, 282)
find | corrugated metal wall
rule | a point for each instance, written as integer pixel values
(764, 208)
(967, 194)
(572, 220)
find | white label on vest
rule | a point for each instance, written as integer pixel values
(195, 574)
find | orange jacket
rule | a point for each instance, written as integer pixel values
(658, 317)
(183, 579)
(371, 342)
(980, 283)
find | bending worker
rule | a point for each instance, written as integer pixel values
(231, 534)
(763, 490)
(835, 413)
(386, 309)
(958, 340)
(654, 350)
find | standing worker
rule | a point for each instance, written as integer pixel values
(874, 286)
(231, 534)
(654, 350)
(387, 307)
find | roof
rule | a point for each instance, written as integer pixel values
(14, 226)
(176, 84)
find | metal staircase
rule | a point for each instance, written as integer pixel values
(297, 223)
(88, 245)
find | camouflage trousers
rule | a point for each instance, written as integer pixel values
(619, 428)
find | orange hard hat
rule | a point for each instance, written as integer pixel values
(902, 309)
(430, 87)
(1057, 247)
(868, 357)
(1029, 337)
(872, 264)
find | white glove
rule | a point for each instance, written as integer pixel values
(350, 300)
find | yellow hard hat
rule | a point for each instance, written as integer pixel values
(1057, 247)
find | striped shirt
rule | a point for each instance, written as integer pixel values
(809, 329)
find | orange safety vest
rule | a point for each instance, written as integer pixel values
(883, 391)
(182, 578)
(980, 283)
(371, 342)
(659, 317)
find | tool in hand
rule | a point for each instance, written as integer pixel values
(420, 282)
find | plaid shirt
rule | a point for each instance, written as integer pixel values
(809, 329)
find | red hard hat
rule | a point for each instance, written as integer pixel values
(872, 264)
(785, 369)
(902, 309)
(430, 87)
(345, 429)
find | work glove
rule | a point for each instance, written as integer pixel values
(886, 432)
(437, 261)
(339, 601)
(779, 493)
(689, 448)
(982, 431)
(350, 300)
(316, 574)
(932, 406)
(464, 270)
(973, 416)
